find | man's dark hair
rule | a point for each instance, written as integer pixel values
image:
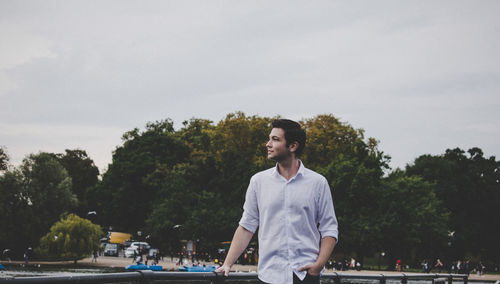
(293, 133)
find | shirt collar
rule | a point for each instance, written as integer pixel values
(301, 170)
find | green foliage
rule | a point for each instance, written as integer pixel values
(354, 167)
(71, 238)
(412, 219)
(32, 197)
(48, 188)
(211, 184)
(190, 183)
(15, 223)
(4, 159)
(123, 198)
(204, 188)
(83, 175)
(239, 151)
(468, 184)
(327, 138)
(355, 189)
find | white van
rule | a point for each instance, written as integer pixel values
(111, 250)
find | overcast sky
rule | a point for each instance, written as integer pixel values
(419, 76)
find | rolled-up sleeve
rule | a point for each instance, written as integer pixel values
(250, 218)
(327, 220)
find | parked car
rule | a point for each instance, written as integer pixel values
(111, 250)
(140, 246)
(130, 252)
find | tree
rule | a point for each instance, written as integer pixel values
(212, 182)
(468, 184)
(15, 223)
(328, 138)
(48, 188)
(32, 197)
(210, 175)
(411, 219)
(239, 148)
(4, 159)
(354, 169)
(183, 200)
(71, 238)
(354, 189)
(83, 175)
(123, 199)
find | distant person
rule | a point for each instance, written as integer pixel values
(94, 256)
(398, 265)
(181, 255)
(292, 208)
(467, 267)
(157, 257)
(138, 260)
(480, 269)
(135, 256)
(27, 254)
(460, 267)
(439, 265)
(425, 266)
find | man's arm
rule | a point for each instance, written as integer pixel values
(240, 242)
(325, 250)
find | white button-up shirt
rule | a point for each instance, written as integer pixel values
(292, 216)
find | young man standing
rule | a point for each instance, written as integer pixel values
(293, 209)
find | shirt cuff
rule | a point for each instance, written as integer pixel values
(249, 226)
(333, 234)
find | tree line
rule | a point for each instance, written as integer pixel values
(190, 184)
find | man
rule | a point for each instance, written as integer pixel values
(293, 209)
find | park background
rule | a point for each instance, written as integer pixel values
(420, 77)
(166, 185)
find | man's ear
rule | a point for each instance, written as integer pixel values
(293, 146)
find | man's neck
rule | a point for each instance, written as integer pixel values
(288, 168)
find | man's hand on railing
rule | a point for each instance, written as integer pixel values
(224, 268)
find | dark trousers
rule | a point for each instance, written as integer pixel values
(310, 279)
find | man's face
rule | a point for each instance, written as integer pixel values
(276, 146)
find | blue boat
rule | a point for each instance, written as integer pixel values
(209, 268)
(1, 267)
(144, 267)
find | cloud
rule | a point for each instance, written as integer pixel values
(418, 76)
(20, 49)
